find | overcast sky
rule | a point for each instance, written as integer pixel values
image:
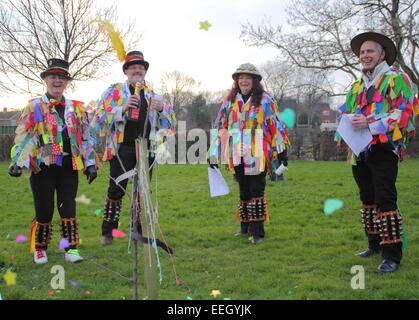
(172, 40)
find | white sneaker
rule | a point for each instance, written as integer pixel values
(40, 256)
(73, 255)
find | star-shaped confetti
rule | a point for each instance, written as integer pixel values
(204, 25)
(215, 293)
(83, 199)
(10, 278)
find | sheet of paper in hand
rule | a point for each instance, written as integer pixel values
(218, 186)
(356, 139)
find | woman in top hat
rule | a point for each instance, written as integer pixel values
(52, 143)
(121, 117)
(383, 100)
(250, 138)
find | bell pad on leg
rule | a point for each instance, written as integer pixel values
(390, 226)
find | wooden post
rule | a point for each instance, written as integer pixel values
(150, 259)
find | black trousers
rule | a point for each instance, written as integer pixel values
(251, 187)
(376, 175)
(62, 180)
(128, 158)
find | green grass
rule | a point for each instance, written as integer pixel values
(306, 254)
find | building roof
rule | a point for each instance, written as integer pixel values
(8, 115)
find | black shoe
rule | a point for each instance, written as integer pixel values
(256, 240)
(368, 253)
(387, 266)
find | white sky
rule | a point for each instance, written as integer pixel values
(172, 40)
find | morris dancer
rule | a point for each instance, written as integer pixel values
(382, 99)
(52, 143)
(248, 125)
(122, 117)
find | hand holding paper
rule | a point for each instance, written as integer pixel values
(218, 186)
(356, 139)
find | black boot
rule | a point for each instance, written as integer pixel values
(387, 266)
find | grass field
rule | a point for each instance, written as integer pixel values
(306, 254)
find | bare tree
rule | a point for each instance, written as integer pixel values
(177, 88)
(32, 31)
(320, 33)
(278, 78)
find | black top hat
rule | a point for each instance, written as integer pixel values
(386, 43)
(57, 67)
(134, 57)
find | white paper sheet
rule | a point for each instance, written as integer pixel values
(356, 139)
(218, 186)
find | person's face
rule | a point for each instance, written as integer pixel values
(135, 73)
(56, 85)
(245, 82)
(370, 55)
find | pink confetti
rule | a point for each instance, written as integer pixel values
(21, 238)
(118, 233)
(51, 293)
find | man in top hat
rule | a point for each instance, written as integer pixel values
(122, 117)
(52, 143)
(384, 101)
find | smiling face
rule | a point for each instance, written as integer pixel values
(370, 55)
(135, 73)
(245, 82)
(56, 85)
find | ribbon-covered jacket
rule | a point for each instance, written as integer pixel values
(252, 133)
(389, 103)
(109, 121)
(39, 135)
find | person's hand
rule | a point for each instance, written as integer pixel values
(156, 104)
(359, 121)
(91, 173)
(15, 171)
(282, 157)
(212, 165)
(132, 102)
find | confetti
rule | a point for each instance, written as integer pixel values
(331, 205)
(83, 199)
(63, 243)
(75, 284)
(288, 117)
(13, 257)
(10, 278)
(215, 293)
(189, 298)
(118, 233)
(51, 293)
(87, 292)
(204, 25)
(21, 238)
(98, 212)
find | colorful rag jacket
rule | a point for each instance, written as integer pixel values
(39, 135)
(390, 105)
(109, 122)
(252, 133)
